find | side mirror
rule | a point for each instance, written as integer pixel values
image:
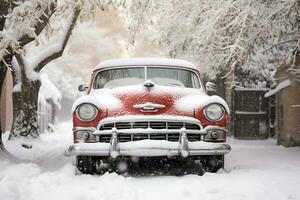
(210, 87)
(83, 87)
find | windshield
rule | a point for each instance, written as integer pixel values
(173, 77)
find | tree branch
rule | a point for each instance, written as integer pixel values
(56, 51)
(25, 39)
(40, 25)
(20, 61)
(279, 44)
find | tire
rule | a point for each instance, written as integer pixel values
(85, 165)
(214, 163)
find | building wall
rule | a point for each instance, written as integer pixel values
(6, 103)
(288, 117)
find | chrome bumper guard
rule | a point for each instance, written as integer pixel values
(149, 148)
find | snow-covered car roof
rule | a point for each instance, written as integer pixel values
(146, 62)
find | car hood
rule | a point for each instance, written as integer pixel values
(154, 100)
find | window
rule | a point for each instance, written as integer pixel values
(167, 76)
(173, 77)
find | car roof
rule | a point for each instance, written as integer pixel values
(146, 62)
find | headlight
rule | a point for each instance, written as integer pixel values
(214, 112)
(87, 112)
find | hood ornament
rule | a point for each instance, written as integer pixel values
(149, 107)
(148, 84)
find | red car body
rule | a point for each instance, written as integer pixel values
(148, 103)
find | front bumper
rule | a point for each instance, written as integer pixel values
(148, 148)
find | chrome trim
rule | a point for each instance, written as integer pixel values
(113, 148)
(140, 148)
(183, 143)
(148, 107)
(149, 130)
(93, 129)
(183, 147)
(154, 118)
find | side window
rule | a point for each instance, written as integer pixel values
(100, 80)
(195, 81)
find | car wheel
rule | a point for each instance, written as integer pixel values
(214, 163)
(85, 165)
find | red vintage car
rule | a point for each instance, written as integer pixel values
(148, 108)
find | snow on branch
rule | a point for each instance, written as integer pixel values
(17, 62)
(56, 50)
(23, 24)
(220, 36)
(137, 14)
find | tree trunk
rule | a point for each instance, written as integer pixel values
(25, 102)
(2, 77)
(25, 117)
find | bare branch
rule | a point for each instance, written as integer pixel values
(56, 51)
(279, 44)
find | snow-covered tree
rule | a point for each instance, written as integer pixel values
(19, 27)
(55, 19)
(27, 82)
(226, 36)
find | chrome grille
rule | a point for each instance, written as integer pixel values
(140, 125)
(136, 137)
(156, 125)
(107, 126)
(122, 125)
(157, 136)
(175, 125)
(190, 126)
(193, 137)
(124, 138)
(105, 138)
(151, 124)
(173, 137)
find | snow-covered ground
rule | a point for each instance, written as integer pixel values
(254, 170)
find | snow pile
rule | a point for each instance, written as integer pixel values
(48, 149)
(254, 170)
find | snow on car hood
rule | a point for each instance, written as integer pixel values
(175, 99)
(103, 99)
(195, 101)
